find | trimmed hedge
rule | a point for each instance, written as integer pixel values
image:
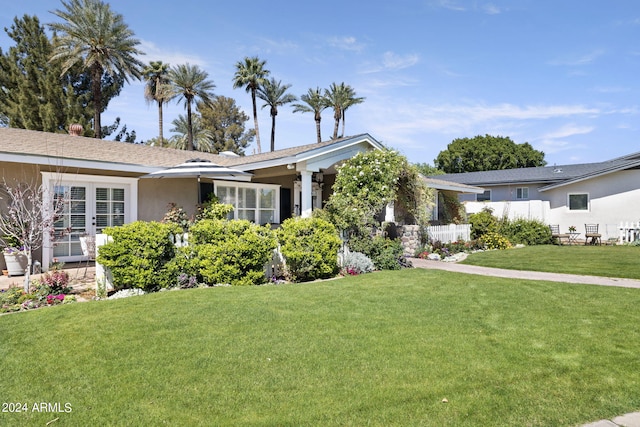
(230, 252)
(310, 248)
(138, 255)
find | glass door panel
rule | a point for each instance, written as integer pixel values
(72, 221)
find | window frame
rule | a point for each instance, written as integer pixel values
(524, 193)
(480, 197)
(244, 210)
(587, 204)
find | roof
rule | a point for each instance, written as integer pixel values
(441, 184)
(548, 177)
(20, 145)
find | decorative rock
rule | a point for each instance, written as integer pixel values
(434, 257)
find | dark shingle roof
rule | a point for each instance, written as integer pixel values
(547, 175)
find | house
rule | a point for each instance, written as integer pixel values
(605, 193)
(104, 181)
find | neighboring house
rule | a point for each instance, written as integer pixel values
(605, 193)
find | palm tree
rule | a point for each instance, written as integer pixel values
(350, 99)
(274, 95)
(189, 83)
(157, 89)
(251, 74)
(340, 97)
(314, 103)
(202, 138)
(334, 97)
(98, 38)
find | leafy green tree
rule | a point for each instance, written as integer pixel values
(157, 88)
(190, 84)
(427, 170)
(251, 74)
(34, 95)
(340, 98)
(98, 38)
(274, 94)
(314, 103)
(483, 153)
(226, 122)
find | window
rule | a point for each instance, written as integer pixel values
(578, 202)
(484, 197)
(254, 202)
(522, 193)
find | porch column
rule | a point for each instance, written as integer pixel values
(306, 208)
(390, 213)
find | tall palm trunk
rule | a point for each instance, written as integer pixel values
(255, 119)
(274, 113)
(336, 126)
(189, 127)
(318, 133)
(96, 91)
(160, 124)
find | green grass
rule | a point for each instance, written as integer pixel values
(608, 261)
(381, 349)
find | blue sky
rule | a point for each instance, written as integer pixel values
(561, 75)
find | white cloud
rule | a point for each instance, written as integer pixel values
(393, 61)
(579, 60)
(154, 53)
(568, 130)
(348, 43)
(491, 9)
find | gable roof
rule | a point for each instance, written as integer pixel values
(53, 149)
(549, 177)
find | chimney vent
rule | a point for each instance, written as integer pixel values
(75, 129)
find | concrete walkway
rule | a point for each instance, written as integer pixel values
(529, 275)
(627, 420)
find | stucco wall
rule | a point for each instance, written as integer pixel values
(155, 195)
(613, 198)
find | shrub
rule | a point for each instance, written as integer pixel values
(483, 222)
(356, 263)
(386, 254)
(493, 240)
(527, 232)
(138, 254)
(230, 252)
(310, 248)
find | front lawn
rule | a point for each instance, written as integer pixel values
(379, 349)
(607, 261)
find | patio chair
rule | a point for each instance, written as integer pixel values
(555, 233)
(591, 234)
(88, 245)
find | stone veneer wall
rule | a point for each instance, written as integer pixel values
(410, 238)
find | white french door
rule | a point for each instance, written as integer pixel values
(87, 209)
(89, 205)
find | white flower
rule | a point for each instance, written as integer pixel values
(361, 173)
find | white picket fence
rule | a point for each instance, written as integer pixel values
(629, 232)
(449, 233)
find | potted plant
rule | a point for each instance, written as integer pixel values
(15, 257)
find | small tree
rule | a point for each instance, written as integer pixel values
(28, 214)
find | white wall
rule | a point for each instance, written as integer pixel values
(613, 198)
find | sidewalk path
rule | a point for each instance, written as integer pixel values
(528, 275)
(627, 420)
